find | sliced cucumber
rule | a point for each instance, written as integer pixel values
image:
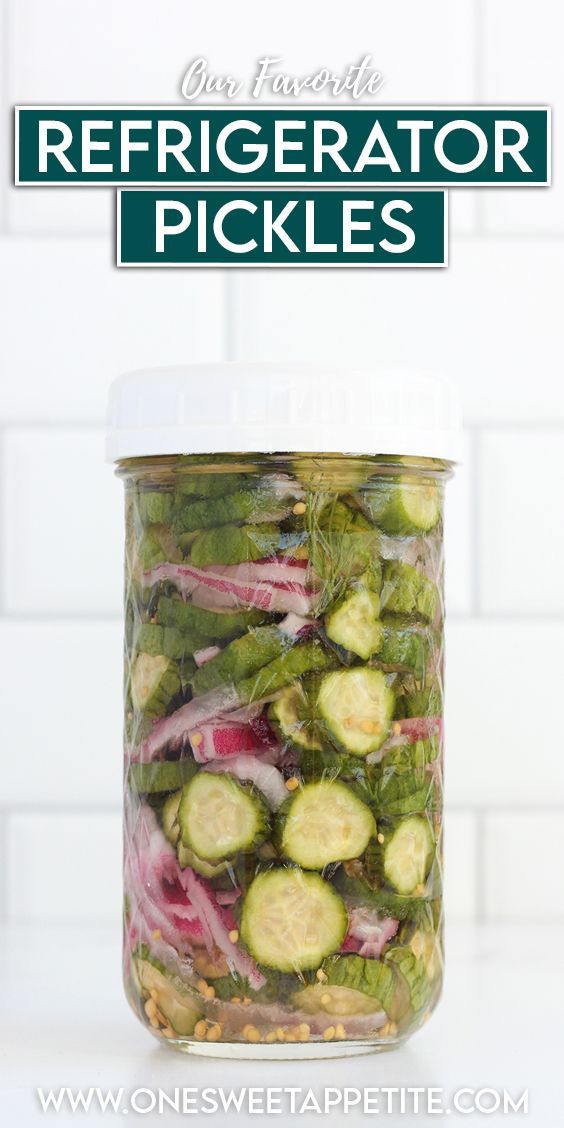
(270, 501)
(156, 544)
(426, 702)
(405, 505)
(361, 891)
(407, 591)
(291, 715)
(173, 999)
(218, 817)
(207, 626)
(155, 681)
(412, 971)
(187, 857)
(425, 944)
(354, 623)
(356, 708)
(152, 639)
(406, 850)
(336, 1001)
(325, 822)
(169, 817)
(372, 979)
(160, 776)
(405, 783)
(303, 658)
(233, 544)
(241, 659)
(405, 647)
(343, 544)
(291, 920)
(154, 507)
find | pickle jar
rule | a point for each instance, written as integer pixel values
(283, 704)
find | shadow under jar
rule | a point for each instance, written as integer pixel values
(283, 747)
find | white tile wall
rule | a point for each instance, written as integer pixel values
(503, 712)
(522, 547)
(522, 65)
(523, 872)
(61, 712)
(75, 323)
(493, 320)
(460, 870)
(62, 523)
(60, 865)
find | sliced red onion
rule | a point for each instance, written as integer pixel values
(264, 776)
(274, 570)
(226, 897)
(296, 626)
(152, 875)
(203, 899)
(214, 591)
(172, 731)
(220, 739)
(205, 655)
(264, 733)
(246, 714)
(368, 933)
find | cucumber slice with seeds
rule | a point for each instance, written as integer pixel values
(406, 852)
(325, 822)
(354, 624)
(356, 708)
(155, 681)
(291, 920)
(174, 1000)
(404, 506)
(292, 716)
(218, 817)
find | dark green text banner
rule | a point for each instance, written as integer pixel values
(250, 145)
(281, 227)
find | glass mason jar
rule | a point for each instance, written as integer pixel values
(283, 749)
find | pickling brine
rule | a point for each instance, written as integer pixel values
(283, 749)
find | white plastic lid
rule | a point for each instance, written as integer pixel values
(267, 408)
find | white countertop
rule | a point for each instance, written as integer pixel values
(65, 1022)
